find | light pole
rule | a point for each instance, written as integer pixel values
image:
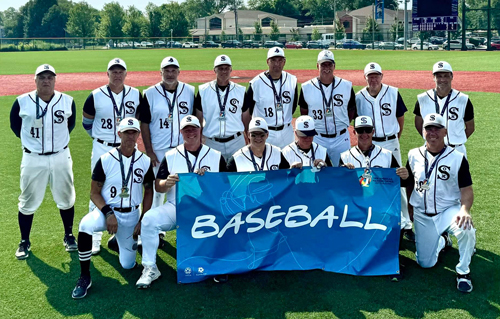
(171, 36)
(406, 25)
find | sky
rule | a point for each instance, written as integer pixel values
(98, 4)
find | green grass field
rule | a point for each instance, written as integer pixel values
(40, 287)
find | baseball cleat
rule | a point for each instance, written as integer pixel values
(23, 251)
(82, 285)
(409, 235)
(149, 274)
(70, 243)
(96, 247)
(464, 283)
(113, 244)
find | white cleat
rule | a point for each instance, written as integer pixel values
(149, 274)
(96, 247)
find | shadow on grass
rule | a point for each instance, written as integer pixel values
(279, 294)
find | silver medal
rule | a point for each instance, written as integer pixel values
(38, 123)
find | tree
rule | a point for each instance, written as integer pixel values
(295, 34)
(54, 22)
(372, 27)
(112, 20)
(223, 36)
(339, 30)
(13, 22)
(319, 9)
(289, 8)
(315, 34)
(173, 18)
(257, 34)
(82, 20)
(35, 11)
(136, 24)
(397, 28)
(154, 14)
(275, 31)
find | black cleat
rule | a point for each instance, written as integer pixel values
(409, 235)
(69, 242)
(464, 283)
(113, 244)
(82, 285)
(23, 251)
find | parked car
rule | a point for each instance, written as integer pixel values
(272, 44)
(123, 45)
(293, 45)
(373, 45)
(176, 44)
(477, 41)
(398, 46)
(316, 45)
(232, 44)
(146, 44)
(159, 43)
(210, 44)
(495, 45)
(351, 44)
(388, 45)
(425, 46)
(190, 45)
(251, 44)
(457, 45)
(436, 40)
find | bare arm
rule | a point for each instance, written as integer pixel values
(401, 122)
(245, 118)
(418, 124)
(164, 185)
(146, 138)
(469, 128)
(464, 218)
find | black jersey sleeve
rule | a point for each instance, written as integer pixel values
(464, 178)
(149, 178)
(351, 106)
(197, 102)
(88, 106)
(98, 173)
(72, 118)
(295, 98)
(411, 179)
(469, 111)
(144, 110)
(249, 99)
(16, 122)
(416, 110)
(284, 163)
(400, 106)
(163, 170)
(328, 161)
(231, 165)
(302, 101)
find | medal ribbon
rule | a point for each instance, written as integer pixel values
(222, 106)
(429, 171)
(312, 158)
(117, 110)
(367, 157)
(329, 102)
(276, 95)
(445, 103)
(171, 104)
(190, 166)
(255, 165)
(38, 107)
(125, 179)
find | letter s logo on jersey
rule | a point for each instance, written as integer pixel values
(183, 108)
(206, 168)
(386, 109)
(234, 103)
(130, 107)
(338, 99)
(286, 97)
(274, 167)
(453, 114)
(444, 172)
(138, 173)
(58, 117)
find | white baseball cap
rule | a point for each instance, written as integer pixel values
(363, 121)
(441, 66)
(372, 67)
(276, 51)
(434, 119)
(117, 61)
(305, 125)
(168, 61)
(222, 60)
(45, 68)
(190, 120)
(129, 123)
(258, 124)
(326, 56)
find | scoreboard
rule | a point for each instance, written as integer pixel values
(434, 15)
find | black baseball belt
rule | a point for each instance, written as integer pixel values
(278, 128)
(43, 154)
(383, 139)
(106, 143)
(430, 215)
(226, 139)
(333, 135)
(125, 209)
(455, 145)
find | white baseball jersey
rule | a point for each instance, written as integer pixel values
(176, 162)
(106, 119)
(454, 113)
(232, 124)
(50, 133)
(382, 109)
(379, 157)
(333, 118)
(293, 154)
(244, 163)
(112, 187)
(444, 191)
(265, 99)
(165, 129)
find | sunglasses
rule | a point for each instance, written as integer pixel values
(361, 130)
(257, 135)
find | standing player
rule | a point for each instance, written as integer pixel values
(221, 103)
(453, 105)
(190, 157)
(330, 101)
(43, 119)
(258, 155)
(441, 192)
(162, 109)
(304, 152)
(117, 192)
(385, 106)
(103, 110)
(272, 95)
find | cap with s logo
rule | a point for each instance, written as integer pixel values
(434, 119)
(276, 51)
(441, 66)
(129, 123)
(222, 60)
(258, 124)
(117, 61)
(372, 67)
(169, 61)
(363, 121)
(326, 56)
(304, 126)
(45, 68)
(190, 120)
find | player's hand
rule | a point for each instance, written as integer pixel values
(402, 172)
(464, 220)
(154, 159)
(171, 180)
(349, 166)
(111, 224)
(137, 230)
(319, 163)
(296, 165)
(201, 171)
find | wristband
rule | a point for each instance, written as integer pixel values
(107, 211)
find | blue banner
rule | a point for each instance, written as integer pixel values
(230, 223)
(379, 10)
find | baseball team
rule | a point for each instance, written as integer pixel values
(227, 128)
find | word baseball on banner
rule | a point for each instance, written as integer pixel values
(230, 223)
